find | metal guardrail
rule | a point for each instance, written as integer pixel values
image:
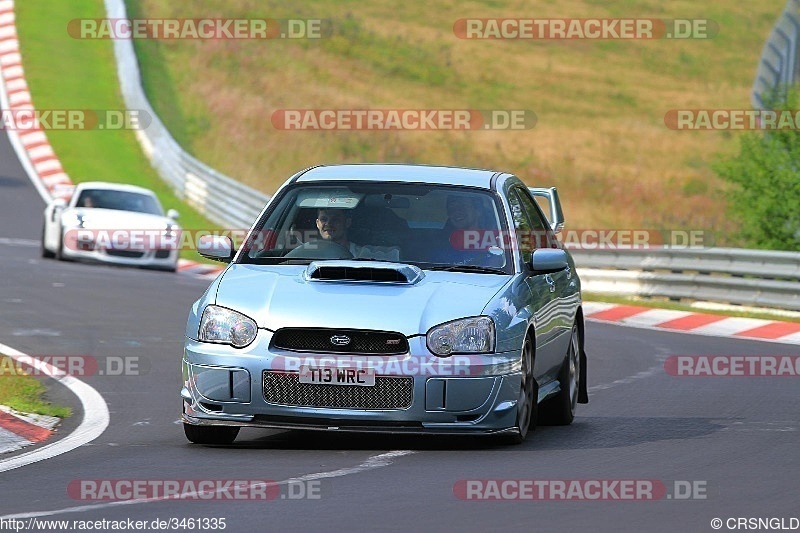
(726, 275)
(221, 199)
(779, 59)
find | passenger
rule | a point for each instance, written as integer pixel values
(465, 234)
(333, 225)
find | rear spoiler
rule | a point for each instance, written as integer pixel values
(556, 216)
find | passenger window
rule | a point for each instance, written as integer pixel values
(532, 231)
(522, 226)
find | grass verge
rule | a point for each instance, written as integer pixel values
(67, 73)
(25, 393)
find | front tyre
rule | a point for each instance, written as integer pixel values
(528, 401)
(560, 410)
(59, 255)
(47, 254)
(210, 434)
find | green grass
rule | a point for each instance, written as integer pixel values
(25, 393)
(66, 73)
(684, 306)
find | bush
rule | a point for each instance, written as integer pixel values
(765, 195)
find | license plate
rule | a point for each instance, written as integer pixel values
(320, 375)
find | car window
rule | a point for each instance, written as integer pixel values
(522, 226)
(119, 200)
(427, 225)
(530, 228)
(541, 236)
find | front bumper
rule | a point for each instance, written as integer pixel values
(461, 394)
(78, 248)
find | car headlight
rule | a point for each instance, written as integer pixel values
(225, 326)
(467, 335)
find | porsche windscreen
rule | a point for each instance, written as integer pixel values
(119, 200)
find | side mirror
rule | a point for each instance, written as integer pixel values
(216, 248)
(548, 261)
(173, 214)
(556, 216)
(58, 204)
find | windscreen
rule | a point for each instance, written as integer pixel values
(426, 225)
(119, 200)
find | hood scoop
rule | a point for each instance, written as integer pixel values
(363, 271)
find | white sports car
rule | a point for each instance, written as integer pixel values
(112, 223)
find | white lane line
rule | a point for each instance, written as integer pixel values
(18, 242)
(650, 372)
(94, 423)
(374, 461)
(19, 149)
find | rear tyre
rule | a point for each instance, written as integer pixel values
(528, 401)
(210, 434)
(560, 410)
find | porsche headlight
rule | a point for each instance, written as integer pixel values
(467, 335)
(225, 326)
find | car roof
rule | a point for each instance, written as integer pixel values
(113, 186)
(402, 173)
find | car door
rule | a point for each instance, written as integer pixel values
(542, 304)
(560, 282)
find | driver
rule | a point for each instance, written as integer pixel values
(333, 225)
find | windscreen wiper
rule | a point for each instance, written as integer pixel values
(467, 268)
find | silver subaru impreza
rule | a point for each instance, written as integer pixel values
(390, 298)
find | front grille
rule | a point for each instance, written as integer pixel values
(162, 254)
(387, 393)
(333, 341)
(125, 253)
